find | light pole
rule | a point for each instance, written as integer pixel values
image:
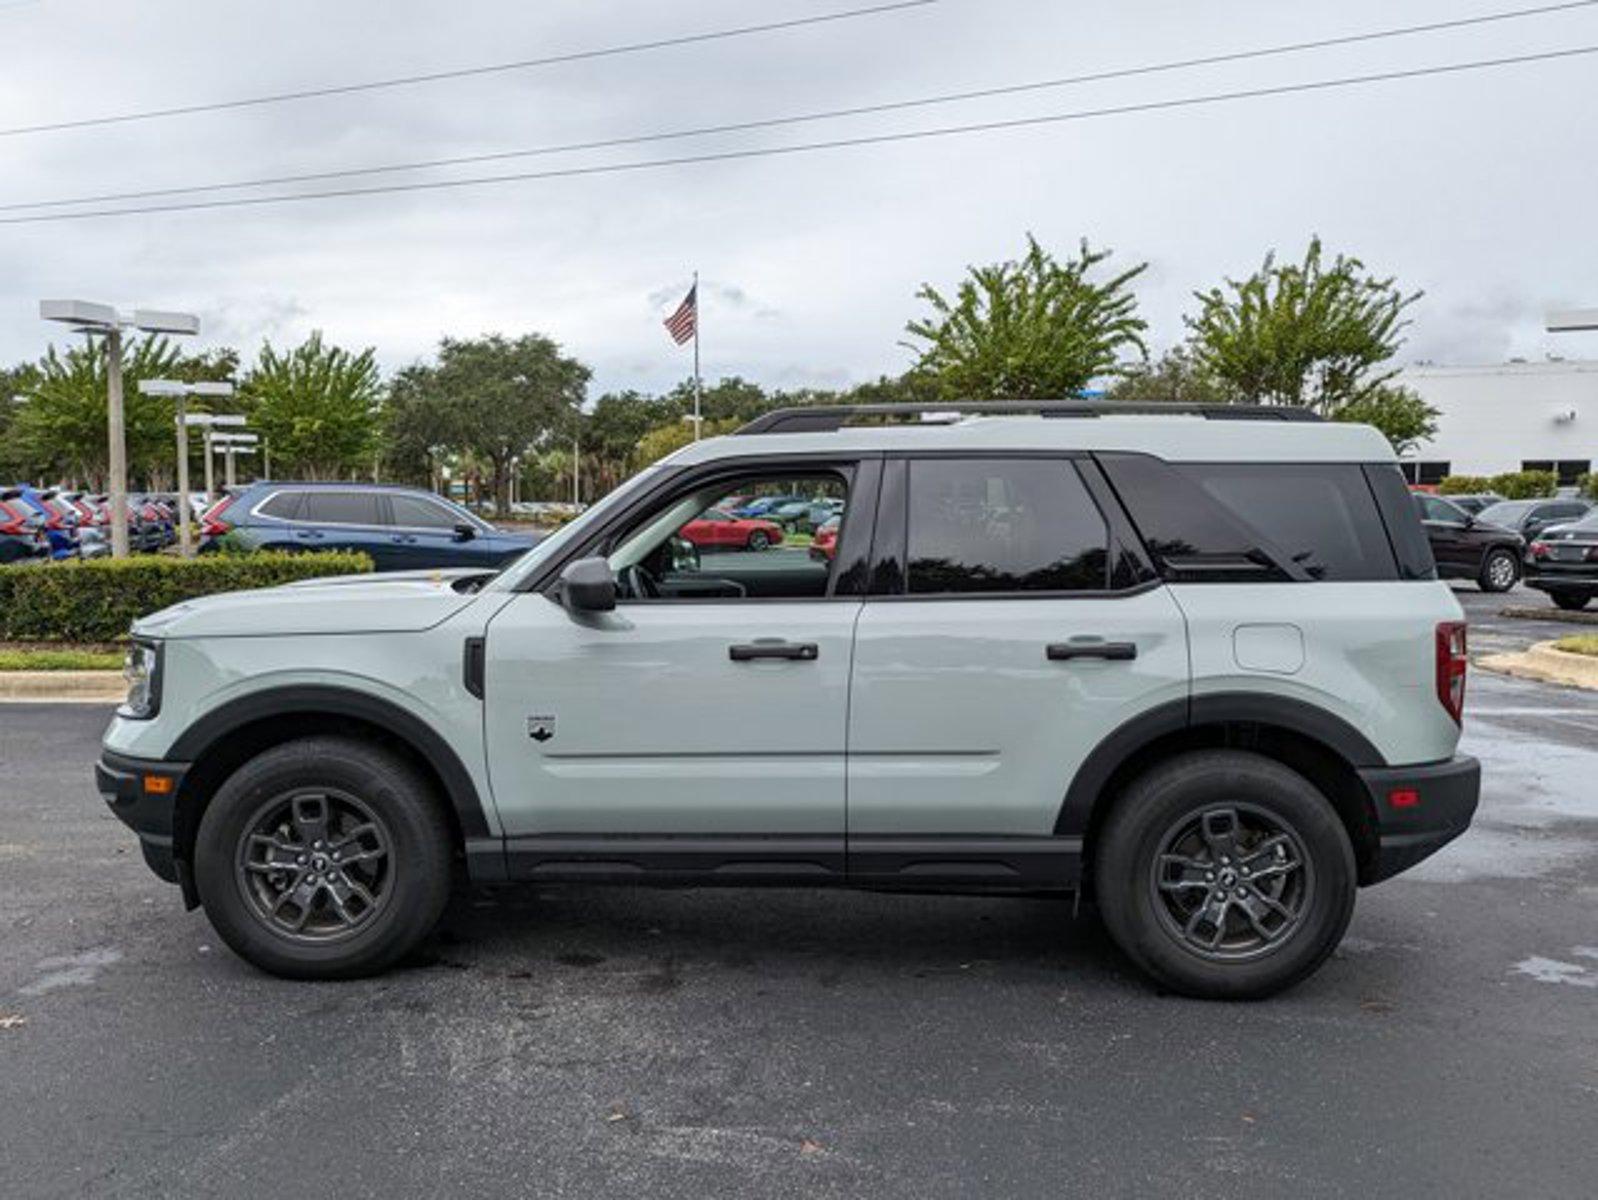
(180, 392)
(233, 444)
(86, 317)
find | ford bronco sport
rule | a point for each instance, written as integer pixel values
(1194, 663)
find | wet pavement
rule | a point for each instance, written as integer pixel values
(745, 1043)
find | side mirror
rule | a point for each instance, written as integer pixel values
(588, 586)
(465, 532)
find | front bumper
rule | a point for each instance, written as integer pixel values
(1419, 810)
(143, 794)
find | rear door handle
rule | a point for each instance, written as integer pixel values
(794, 651)
(1114, 651)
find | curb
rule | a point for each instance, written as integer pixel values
(1542, 662)
(50, 687)
(1550, 614)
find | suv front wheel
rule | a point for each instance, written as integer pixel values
(324, 858)
(1500, 571)
(1225, 875)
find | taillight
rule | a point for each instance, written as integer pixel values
(212, 524)
(1539, 549)
(1451, 665)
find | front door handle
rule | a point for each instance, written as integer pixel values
(1114, 651)
(794, 651)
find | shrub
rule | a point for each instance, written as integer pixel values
(96, 600)
(1464, 485)
(1524, 485)
(1587, 485)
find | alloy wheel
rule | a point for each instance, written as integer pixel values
(315, 865)
(1231, 882)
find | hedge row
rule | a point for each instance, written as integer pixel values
(1511, 485)
(96, 600)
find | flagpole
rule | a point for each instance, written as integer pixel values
(696, 356)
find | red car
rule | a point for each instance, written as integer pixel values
(825, 542)
(718, 530)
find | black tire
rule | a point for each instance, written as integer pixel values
(759, 540)
(1570, 601)
(1500, 570)
(409, 881)
(1139, 900)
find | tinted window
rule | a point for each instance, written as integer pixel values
(340, 508)
(1433, 509)
(417, 512)
(1191, 536)
(281, 505)
(1218, 520)
(1003, 525)
(1411, 547)
(1321, 515)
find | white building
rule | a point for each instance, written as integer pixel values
(1518, 416)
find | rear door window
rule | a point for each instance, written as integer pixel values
(340, 508)
(1003, 525)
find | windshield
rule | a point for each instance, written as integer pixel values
(1506, 512)
(515, 572)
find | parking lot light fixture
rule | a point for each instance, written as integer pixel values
(180, 392)
(90, 318)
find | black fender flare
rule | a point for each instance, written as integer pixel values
(200, 737)
(1127, 740)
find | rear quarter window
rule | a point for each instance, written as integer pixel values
(1239, 520)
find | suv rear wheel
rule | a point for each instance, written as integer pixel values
(325, 858)
(1225, 875)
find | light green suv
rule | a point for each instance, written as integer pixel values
(1193, 663)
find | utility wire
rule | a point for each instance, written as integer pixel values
(833, 144)
(346, 89)
(803, 118)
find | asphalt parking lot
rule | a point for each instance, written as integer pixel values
(747, 1043)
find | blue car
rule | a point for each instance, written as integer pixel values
(403, 529)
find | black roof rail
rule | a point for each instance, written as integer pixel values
(828, 418)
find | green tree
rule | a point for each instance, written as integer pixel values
(509, 396)
(1312, 334)
(316, 406)
(1175, 378)
(421, 429)
(666, 439)
(59, 429)
(1031, 329)
(1400, 413)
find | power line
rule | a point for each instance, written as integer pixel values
(833, 144)
(345, 89)
(827, 114)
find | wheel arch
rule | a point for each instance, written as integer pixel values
(1319, 745)
(223, 740)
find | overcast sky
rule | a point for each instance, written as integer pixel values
(1480, 188)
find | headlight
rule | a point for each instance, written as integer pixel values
(142, 670)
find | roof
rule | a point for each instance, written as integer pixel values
(1184, 437)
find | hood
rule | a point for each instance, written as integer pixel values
(400, 602)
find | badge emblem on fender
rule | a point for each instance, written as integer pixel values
(540, 729)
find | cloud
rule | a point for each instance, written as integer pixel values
(810, 262)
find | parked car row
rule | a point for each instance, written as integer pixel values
(40, 523)
(1551, 544)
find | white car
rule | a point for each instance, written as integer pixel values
(1195, 663)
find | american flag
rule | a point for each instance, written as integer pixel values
(683, 323)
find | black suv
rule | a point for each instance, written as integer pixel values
(1468, 547)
